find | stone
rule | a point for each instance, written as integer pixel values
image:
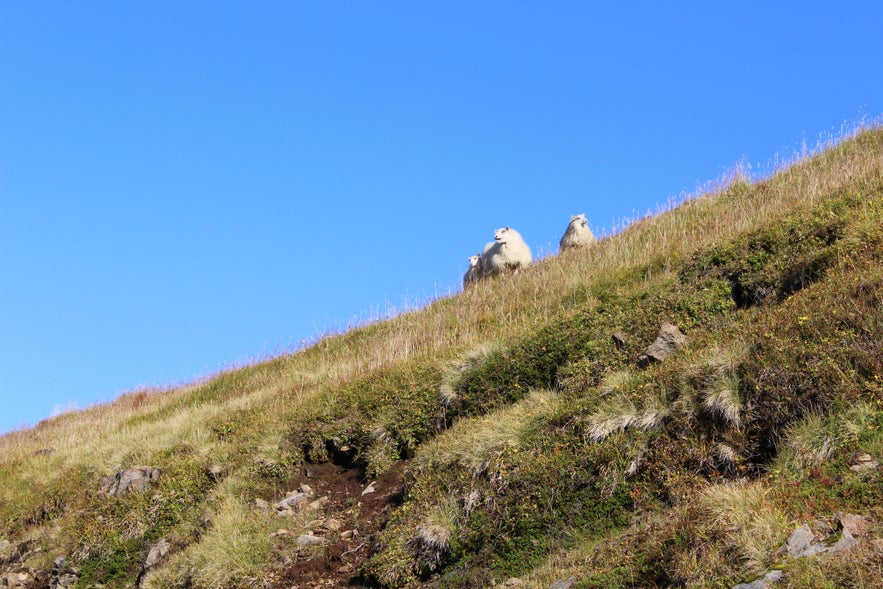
(131, 480)
(763, 582)
(620, 339)
(66, 580)
(856, 525)
(318, 503)
(332, 524)
(563, 584)
(261, 505)
(296, 499)
(846, 542)
(157, 552)
(513, 582)
(309, 540)
(861, 461)
(669, 339)
(799, 542)
(369, 489)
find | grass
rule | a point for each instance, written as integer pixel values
(533, 445)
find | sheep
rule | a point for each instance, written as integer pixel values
(577, 234)
(474, 273)
(507, 253)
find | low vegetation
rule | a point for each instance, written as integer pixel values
(511, 430)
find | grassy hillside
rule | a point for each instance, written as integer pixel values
(508, 434)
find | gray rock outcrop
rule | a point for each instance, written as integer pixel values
(669, 339)
(131, 480)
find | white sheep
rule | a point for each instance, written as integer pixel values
(507, 253)
(577, 234)
(474, 273)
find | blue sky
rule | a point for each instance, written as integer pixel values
(186, 186)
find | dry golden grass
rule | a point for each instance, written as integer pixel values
(473, 442)
(753, 526)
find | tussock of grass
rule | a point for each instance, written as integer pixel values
(751, 523)
(620, 413)
(473, 442)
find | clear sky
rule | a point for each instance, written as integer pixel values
(191, 185)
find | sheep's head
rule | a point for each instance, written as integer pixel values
(579, 220)
(474, 260)
(500, 235)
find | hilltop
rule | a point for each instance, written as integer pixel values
(520, 432)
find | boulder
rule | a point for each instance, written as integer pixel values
(309, 540)
(131, 480)
(157, 552)
(669, 339)
(295, 501)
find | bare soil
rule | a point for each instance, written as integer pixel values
(357, 519)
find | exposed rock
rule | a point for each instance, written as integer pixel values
(332, 524)
(157, 552)
(856, 525)
(261, 505)
(763, 582)
(620, 339)
(669, 339)
(801, 543)
(862, 461)
(845, 542)
(513, 582)
(130, 480)
(369, 489)
(309, 540)
(296, 500)
(318, 503)
(563, 584)
(63, 576)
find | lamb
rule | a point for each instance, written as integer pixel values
(577, 234)
(474, 273)
(507, 253)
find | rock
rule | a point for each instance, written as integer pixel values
(157, 552)
(763, 582)
(332, 525)
(856, 525)
(65, 580)
(347, 534)
(862, 461)
(318, 503)
(295, 500)
(620, 339)
(513, 582)
(669, 339)
(309, 540)
(130, 480)
(369, 489)
(563, 584)
(261, 505)
(800, 543)
(845, 542)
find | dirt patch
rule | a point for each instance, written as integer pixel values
(348, 523)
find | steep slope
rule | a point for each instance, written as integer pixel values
(518, 429)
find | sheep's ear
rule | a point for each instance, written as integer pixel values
(507, 228)
(574, 217)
